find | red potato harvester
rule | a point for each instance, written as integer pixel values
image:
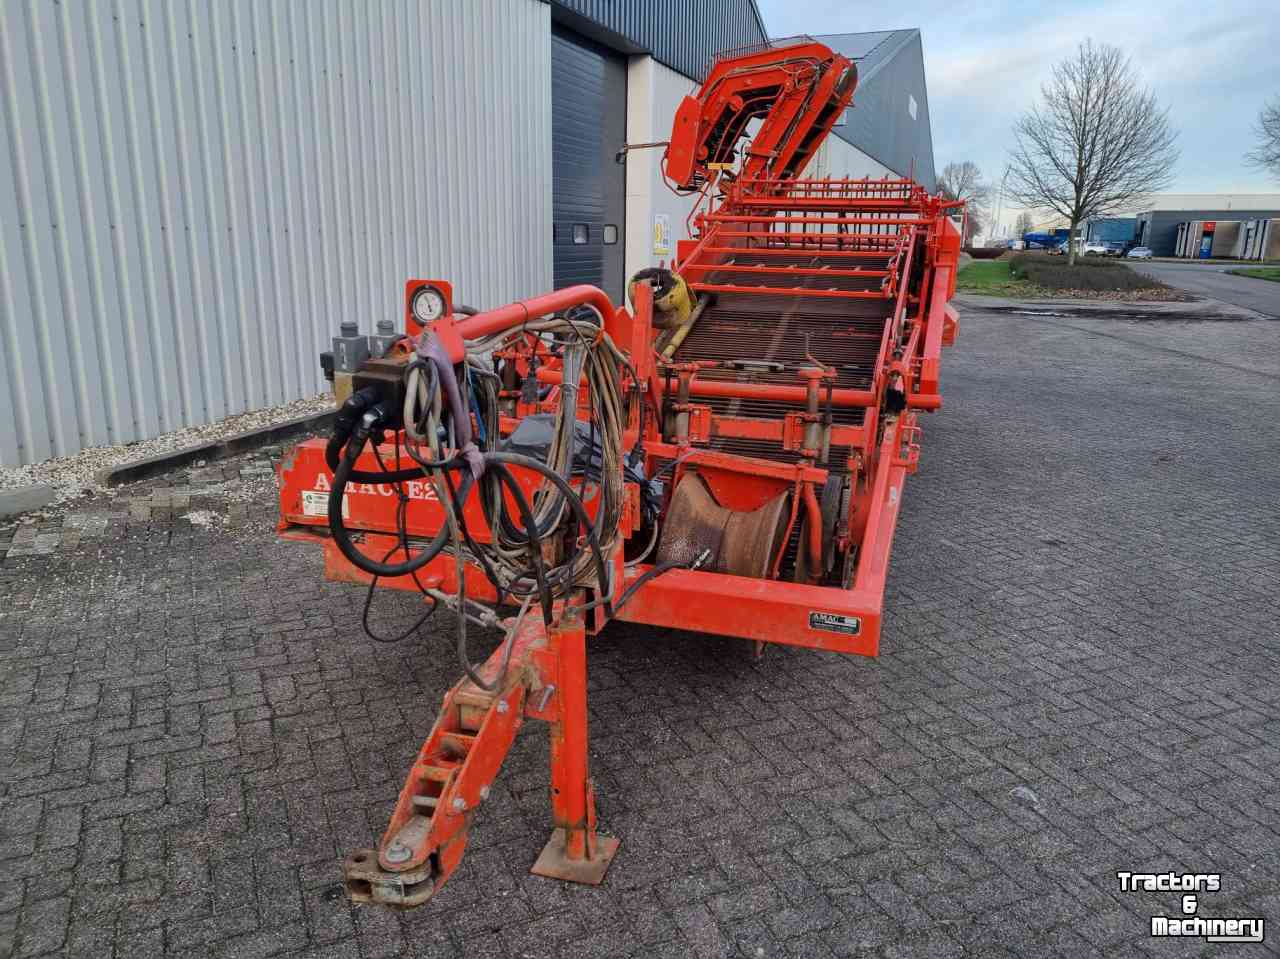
(726, 456)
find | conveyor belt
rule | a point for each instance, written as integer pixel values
(845, 334)
(815, 271)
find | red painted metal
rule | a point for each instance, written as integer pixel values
(818, 344)
(786, 290)
(798, 89)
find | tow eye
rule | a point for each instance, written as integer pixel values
(367, 882)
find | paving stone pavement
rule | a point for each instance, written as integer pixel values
(1079, 674)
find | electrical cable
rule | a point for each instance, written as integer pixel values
(403, 543)
(342, 537)
(550, 544)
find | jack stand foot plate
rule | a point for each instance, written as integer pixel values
(553, 863)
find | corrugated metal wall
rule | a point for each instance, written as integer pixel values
(683, 34)
(881, 124)
(196, 192)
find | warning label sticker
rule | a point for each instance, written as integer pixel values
(835, 623)
(316, 503)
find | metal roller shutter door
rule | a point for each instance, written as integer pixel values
(588, 126)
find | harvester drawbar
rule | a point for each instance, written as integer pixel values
(727, 455)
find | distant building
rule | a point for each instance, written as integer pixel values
(1111, 229)
(1254, 239)
(1050, 225)
(1157, 225)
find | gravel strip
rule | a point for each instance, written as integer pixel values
(74, 476)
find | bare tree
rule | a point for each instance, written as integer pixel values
(963, 181)
(1096, 144)
(1266, 155)
(1023, 224)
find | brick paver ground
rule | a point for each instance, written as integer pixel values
(1080, 674)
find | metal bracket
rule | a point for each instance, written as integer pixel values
(907, 453)
(794, 426)
(699, 423)
(555, 863)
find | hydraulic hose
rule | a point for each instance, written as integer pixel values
(344, 424)
(575, 504)
(697, 563)
(343, 475)
(536, 562)
(439, 403)
(644, 577)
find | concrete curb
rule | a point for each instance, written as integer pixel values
(215, 449)
(25, 499)
(1163, 309)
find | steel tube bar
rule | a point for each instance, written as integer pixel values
(796, 251)
(886, 239)
(776, 392)
(789, 291)
(783, 270)
(513, 314)
(820, 220)
(569, 781)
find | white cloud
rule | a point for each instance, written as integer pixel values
(1212, 64)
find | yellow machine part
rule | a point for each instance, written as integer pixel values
(675, 311)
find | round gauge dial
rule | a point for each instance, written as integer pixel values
(428, 304)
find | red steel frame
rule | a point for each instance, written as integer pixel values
(914, 241)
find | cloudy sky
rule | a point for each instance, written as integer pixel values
(1213, 63)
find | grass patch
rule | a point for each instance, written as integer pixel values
(1031, 275)
(1260, 272)
(993, 278)
(1090, 274)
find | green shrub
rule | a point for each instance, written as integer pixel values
(1089, 273)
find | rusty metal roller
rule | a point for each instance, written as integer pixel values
(741, 543)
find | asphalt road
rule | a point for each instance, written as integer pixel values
(1213, 281)
(1079, 675)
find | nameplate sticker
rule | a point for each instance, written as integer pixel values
(835, 623)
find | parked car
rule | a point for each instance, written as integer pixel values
(1095, 248)
(1114, 248)
(1140, 253)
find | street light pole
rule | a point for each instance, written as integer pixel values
(1000, 200)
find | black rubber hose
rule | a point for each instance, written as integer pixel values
(489, 572)
(401, 509)
(341, 477)
(657, 571)
(344, 424)
(535, 543)
(571, 497)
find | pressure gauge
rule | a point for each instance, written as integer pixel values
(428, 304)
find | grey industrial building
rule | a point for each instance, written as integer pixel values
(1157, 227)
(1111, 229)
(196, 195)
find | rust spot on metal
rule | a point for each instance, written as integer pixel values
(741, 543)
